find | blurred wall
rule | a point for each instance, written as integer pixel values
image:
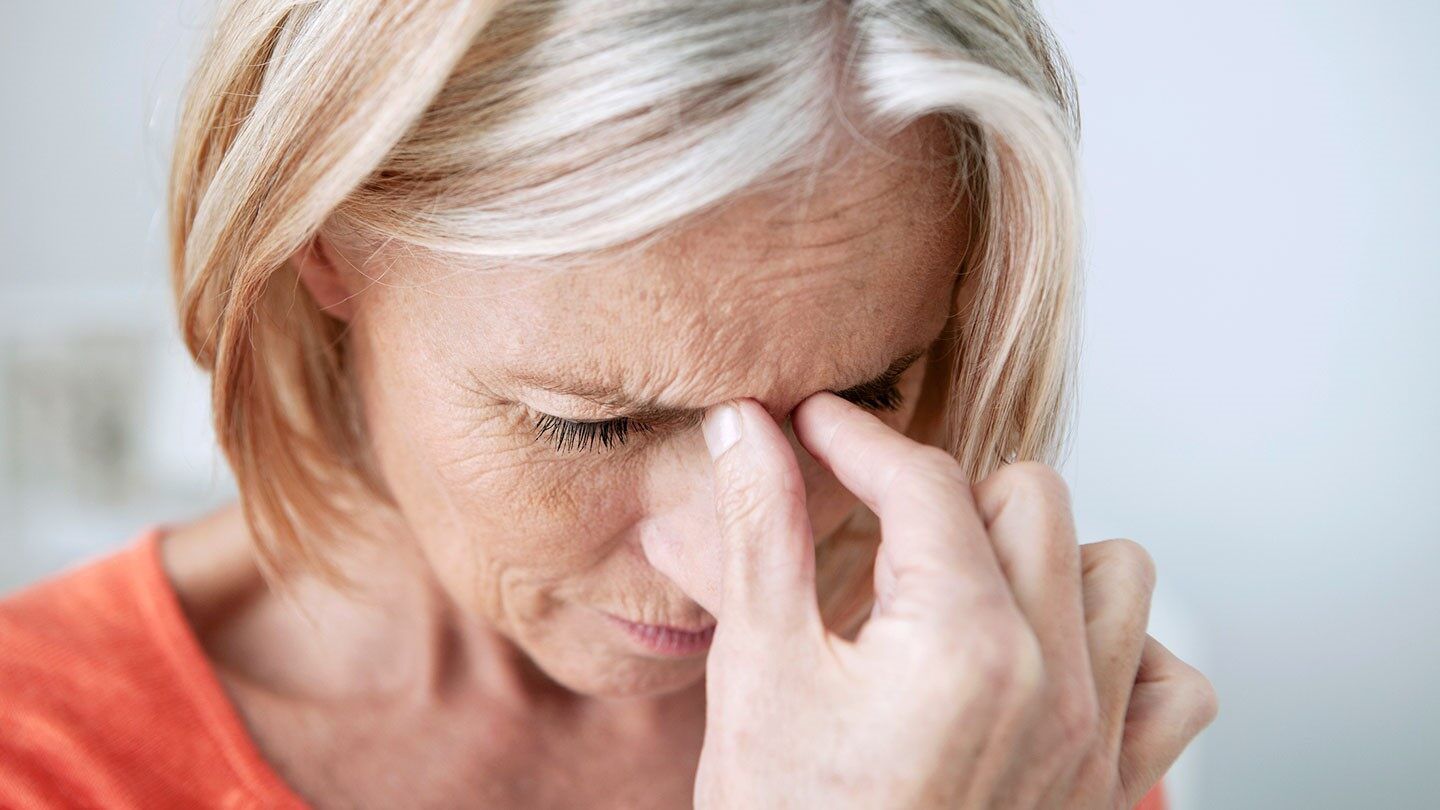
(1259, 393)
(1261, 384)
(103, 420)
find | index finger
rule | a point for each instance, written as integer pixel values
(767, 546)
(931, 527)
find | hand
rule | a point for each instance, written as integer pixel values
(1003, 666)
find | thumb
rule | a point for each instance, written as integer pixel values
(767, 548)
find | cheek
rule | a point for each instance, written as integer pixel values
(486, 465)
(508, 527)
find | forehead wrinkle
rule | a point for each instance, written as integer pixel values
(767, 248)
(706, 301)
(822, 244)
(720, 346)
(879, 203)
(714, 294)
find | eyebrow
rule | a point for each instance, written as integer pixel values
(650, 410)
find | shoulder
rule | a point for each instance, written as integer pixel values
(78, 633)
(89, 692)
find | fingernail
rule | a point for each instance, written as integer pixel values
(721, 428)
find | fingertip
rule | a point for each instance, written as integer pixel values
(722, 427)
(816, 419)
(754, 430)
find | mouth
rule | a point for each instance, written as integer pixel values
(665, 640)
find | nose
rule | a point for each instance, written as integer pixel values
(680, 533)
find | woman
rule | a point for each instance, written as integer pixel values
(571, 358)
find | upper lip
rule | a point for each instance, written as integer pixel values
(666, 626)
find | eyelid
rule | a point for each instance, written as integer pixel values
(882, 385)
(607, 434)
(603, 434)
(882, 393)
(875, 397)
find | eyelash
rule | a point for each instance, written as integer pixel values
(570, 436)
(887, 398)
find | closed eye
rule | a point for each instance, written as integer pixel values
(568, 435)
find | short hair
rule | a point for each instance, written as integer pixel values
(547, 130)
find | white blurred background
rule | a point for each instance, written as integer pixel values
(1259, 398)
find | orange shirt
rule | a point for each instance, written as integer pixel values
(107, 699)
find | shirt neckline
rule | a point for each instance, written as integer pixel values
(197, 677)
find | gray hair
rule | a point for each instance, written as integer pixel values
(544, 131)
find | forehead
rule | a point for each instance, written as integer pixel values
(776, 294)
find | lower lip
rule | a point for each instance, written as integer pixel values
(666, 641)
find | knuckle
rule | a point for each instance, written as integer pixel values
(1037, 480)
(753, 505)
(1024, 484)
(737, 504)
(1134, 558)
(1205, 703)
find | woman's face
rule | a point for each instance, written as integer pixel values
(541, 535)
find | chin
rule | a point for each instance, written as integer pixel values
(619, 675)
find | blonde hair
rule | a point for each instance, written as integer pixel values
(547, 130)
